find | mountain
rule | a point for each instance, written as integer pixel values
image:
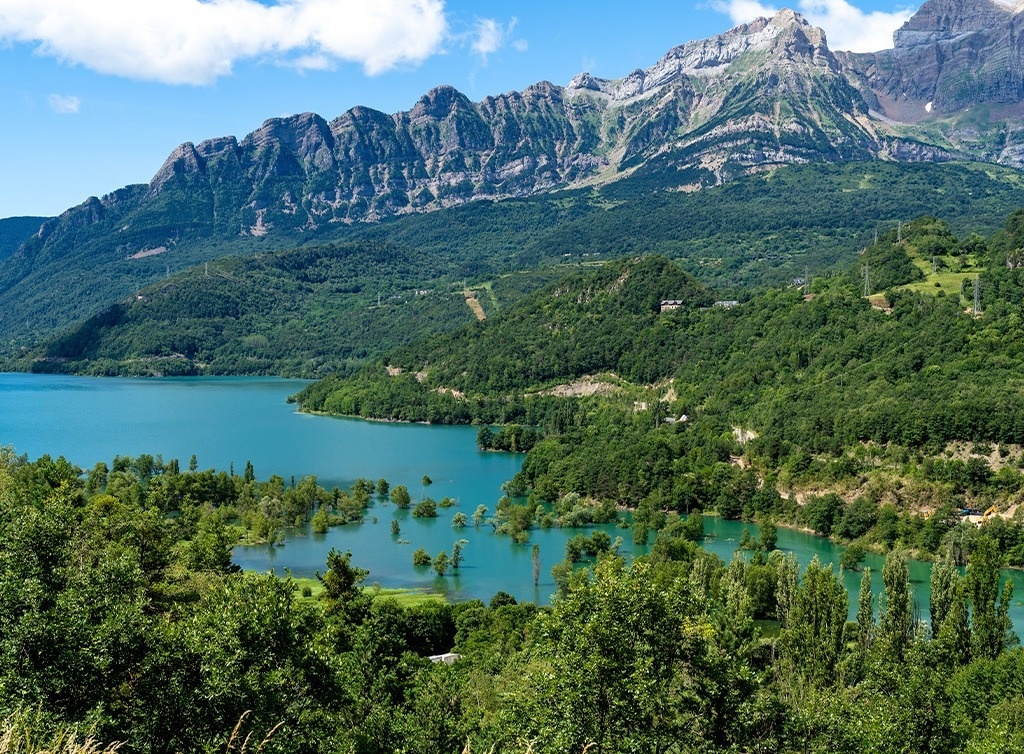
(759, 97)
(315, 309)
(955, 73)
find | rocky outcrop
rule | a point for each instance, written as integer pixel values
(952, 55)
(767, 93)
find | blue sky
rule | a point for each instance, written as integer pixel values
(96, 94)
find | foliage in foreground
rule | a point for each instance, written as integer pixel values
(110, 632)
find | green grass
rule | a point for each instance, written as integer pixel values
(948, 282)
(404, 597)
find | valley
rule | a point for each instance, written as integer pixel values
(697, 394)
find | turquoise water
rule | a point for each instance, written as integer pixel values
(227, 421)
(231, 420)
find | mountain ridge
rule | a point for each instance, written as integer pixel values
(762, 95)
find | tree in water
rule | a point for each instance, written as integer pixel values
(479, 515)
(457, 552)
(441, 563)
(535, 563)
(400, 496)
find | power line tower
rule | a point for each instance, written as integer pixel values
(899, 232)
(977, 295)
(807, 281)
(867, 280)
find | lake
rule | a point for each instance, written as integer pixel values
(228, 421)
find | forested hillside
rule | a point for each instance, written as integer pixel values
(764, 229)
(906, 404)
(767, 229)
(302, 313)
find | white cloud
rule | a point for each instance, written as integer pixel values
(197, 41)
(489, 36)
(847, 26)
(64, 104)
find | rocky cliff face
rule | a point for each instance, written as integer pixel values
(764, 94)
(952, 55)
(767, 93)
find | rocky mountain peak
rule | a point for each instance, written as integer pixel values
(439, 103)
(949, 20)
(1014, 6)
(787, 32)
(182, 160)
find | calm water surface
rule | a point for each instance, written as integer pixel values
(227, 421)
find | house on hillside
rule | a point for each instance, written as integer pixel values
(669, 305)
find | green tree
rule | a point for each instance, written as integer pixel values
(421, 557)
(812, 640)
(479, 515)
(341, 584)
(400, 496)
(865, 613)
(945, 582)
(535, 563)
(456, 558)
(319, 522)
(626, 666)
(990, 623)
(425, 509)
(441, 563)
(851, 557)
(896, 619)
(459, 520)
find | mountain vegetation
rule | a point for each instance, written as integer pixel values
(304, 312)
(233, 315)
